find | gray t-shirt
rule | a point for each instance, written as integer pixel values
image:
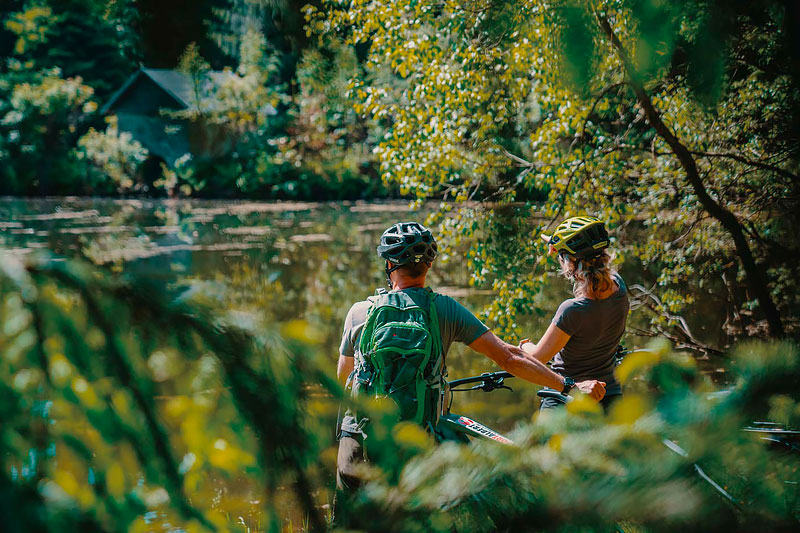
(456, 322)
(595, 328)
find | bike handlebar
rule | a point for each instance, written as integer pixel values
(495, 378)
(490, 381)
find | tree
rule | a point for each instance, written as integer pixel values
(673, 115)
(93, 39)
(65, 56)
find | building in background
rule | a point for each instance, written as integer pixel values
(164, 111)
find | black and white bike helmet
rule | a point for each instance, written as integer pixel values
(407, 242)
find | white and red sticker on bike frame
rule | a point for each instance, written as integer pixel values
(479, 428)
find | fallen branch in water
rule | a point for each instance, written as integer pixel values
(682, 336)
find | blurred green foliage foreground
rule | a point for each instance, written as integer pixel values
(126, 406)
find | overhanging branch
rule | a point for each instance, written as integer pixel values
(756, 278)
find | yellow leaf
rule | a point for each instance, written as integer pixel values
(302, 331)
(412, 436)
(85, 392)
(127, 459)
(139, 526)
(629, 409)
(634, 363)
(67, 482)
(115, 481)
(583, 404)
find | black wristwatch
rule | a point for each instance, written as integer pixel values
(568, 384)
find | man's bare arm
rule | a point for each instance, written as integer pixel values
(512, 359)
(344, 367)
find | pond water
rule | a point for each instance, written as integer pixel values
(280, 261)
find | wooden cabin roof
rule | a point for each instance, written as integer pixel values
(176, 86)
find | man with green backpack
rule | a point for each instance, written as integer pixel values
(394, 345)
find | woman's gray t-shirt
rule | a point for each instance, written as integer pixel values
(595, 328)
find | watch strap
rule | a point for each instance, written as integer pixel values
(569, 384)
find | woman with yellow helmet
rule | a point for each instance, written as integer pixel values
(583, 336)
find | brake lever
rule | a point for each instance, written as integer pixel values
(489, 386)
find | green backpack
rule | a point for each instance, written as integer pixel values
(401, 345)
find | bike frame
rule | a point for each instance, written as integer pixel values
(460, 428)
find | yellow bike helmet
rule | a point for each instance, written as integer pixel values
(582, 237)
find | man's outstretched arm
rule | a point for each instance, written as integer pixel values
(512, 359)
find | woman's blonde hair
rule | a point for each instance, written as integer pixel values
(590, 276)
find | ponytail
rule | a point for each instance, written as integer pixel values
(589, 276)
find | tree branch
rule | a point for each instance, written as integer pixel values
(757, 164)
(642, 297)
(599, 97)
(756, 278)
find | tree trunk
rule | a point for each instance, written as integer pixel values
(756, 278)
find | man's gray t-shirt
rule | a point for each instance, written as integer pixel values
(595, 328)
(456, 322)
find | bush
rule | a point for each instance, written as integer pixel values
(39, 126)
(115, 158)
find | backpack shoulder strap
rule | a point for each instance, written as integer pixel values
(375, 301)
(378, 293)
(380, 290)
(436, 332)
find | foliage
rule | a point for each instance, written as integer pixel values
(65, 56)
(494, 100)
(257, 127)
(137, 421)
(43, 115)
(281, 22)
(168, 415)
(325, 137)
(93, 39)
(577, 469)
(281, 146)
(30, 26)
(115, 155)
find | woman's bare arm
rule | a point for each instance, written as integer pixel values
(553, 340)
